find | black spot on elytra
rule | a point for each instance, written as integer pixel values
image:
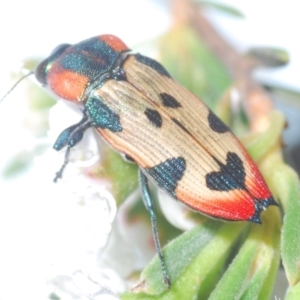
(230, 177)
(180, 125)
(168, 173)
(152, 64)
(101, 115)
(169, 101)
(216, 124)
(154, 117)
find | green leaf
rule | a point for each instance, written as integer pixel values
(285, 186)
(293, 292)
(269, 56)
(288, 189)
(259, 144)
(229, 10)
(253, 271)
(193, 258)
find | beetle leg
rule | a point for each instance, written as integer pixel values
(150, 207)
(70, 137)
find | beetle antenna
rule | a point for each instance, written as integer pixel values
(13, 87)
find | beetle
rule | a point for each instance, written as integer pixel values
(143, 113)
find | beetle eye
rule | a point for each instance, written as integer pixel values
(41, 73)
(43, 67)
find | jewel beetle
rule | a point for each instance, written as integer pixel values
(142, 112)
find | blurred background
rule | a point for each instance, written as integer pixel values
(31, 216)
